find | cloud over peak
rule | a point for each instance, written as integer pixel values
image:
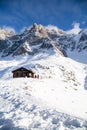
(9, 29)
(76, 28)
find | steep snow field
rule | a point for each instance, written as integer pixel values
(55, 101)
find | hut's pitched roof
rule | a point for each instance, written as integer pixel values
(22, 69)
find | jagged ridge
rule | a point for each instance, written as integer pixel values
(38, 39)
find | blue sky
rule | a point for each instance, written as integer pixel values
(62, 13)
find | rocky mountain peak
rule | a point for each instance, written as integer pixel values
(34, 27)
(39, 30)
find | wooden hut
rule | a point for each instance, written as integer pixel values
(23, 72)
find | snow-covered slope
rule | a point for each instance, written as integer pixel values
(59, 95)
(55, 101)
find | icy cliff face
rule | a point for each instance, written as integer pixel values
(81, 40)
(3, 35)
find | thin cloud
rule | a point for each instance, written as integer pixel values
(76, 24)
(76, 28)
(9, 29)
(83, 22)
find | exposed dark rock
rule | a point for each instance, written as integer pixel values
(3, 44)
(39, 37)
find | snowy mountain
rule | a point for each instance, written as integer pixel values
(55, 101)
(37, 38)
(31, 41)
